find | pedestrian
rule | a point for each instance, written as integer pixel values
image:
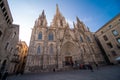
(53, 69)
(96, 66)
(91, 68)
(4, 77)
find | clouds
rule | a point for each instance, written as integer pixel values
(70, 22)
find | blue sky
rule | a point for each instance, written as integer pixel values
(94, 13)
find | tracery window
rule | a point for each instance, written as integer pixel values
(40, 35)
(50, 36)
(81, 39)
(88, 39)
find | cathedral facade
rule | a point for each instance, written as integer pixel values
(58, 46)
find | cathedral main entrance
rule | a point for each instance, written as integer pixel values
(68, 61)
(70, 54)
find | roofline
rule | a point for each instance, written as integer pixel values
(8, 10)
(109, 22)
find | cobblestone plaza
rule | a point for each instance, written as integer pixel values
(103, 73)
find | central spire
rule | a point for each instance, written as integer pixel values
(57, 10)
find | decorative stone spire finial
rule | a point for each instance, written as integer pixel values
(43, 13)
(57, 10)
(77, 19)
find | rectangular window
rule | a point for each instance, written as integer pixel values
(105, 38)
(115, 33)
(118, 40)
(0, 33)
(113, 53)
(109, 45)
(110, 26)
(101, 31)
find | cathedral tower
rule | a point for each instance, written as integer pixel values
(59, 47)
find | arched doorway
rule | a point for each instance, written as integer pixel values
(70, 53)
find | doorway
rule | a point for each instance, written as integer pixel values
(68, 61)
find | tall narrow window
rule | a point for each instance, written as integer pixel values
(50, 37)
(13, 35)
(113, 53)
(38, 50)
(81, 39)
(118, 40)
(115, 33)
(88, 39)
(51, 49)
(61, 23)
(40, 35)
(0, 33)
(105, 38)
(109, 45)
(6, 46)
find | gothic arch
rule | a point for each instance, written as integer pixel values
(40, 35)
(70, 53)
(51, 36)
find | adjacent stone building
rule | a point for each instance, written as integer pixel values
(59, 46)
(9, 35)
(22, 49)
(109, 39)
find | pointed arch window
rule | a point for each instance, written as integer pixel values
(61, 23)
(88, 39)
(40, 35)
(38, 50)
(50, 37)
(51, 49)
(81, 39)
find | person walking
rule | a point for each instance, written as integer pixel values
(91, 68)
(96, 66)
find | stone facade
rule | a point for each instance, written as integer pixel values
(22, 54)
(58, 46)
(109, 38)
(9, 35)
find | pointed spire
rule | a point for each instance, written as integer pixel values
(57, 10)
(43, 13)
(74, 24)
(77, 19)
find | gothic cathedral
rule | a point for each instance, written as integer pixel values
(59, 46)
